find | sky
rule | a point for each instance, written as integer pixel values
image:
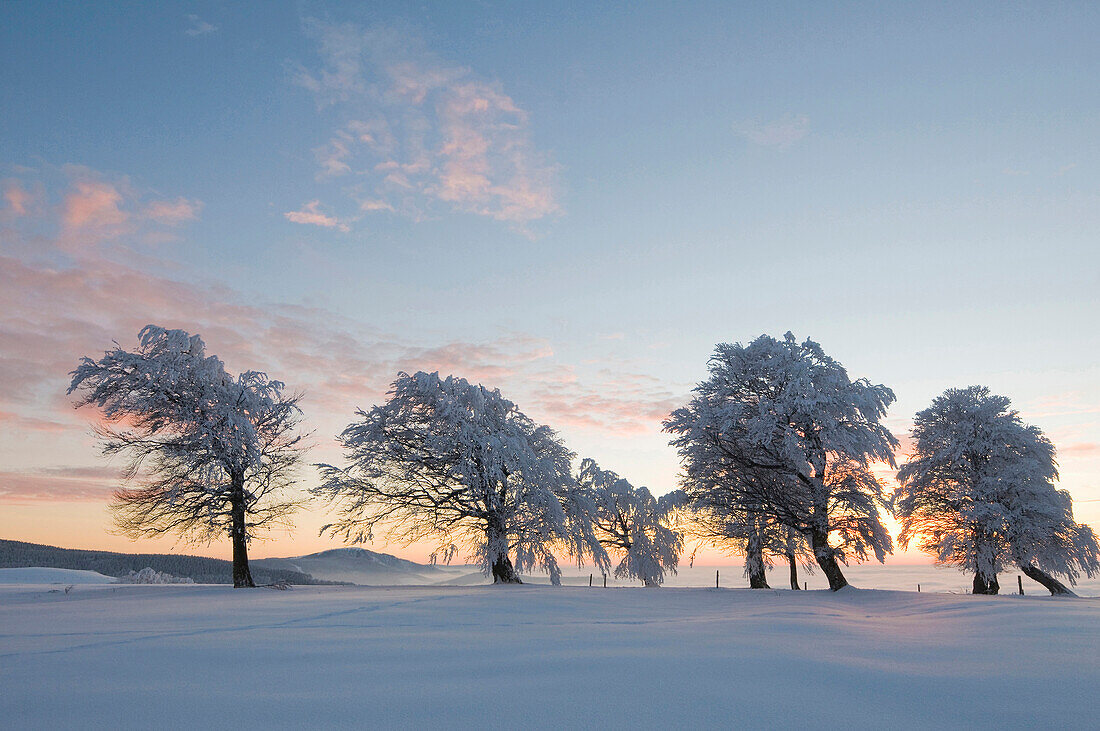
(570, 202)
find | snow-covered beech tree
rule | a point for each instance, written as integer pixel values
(780, 428)
(457, 463)
(719, 520)
(634, 525)
(1049, 543)
(978, 493)
(208, 454)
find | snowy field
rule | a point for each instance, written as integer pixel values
(900, 577)
(209, 656)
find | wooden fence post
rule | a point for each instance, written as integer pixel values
(605, 581)
(1020, 582)
(805, 586)
(918, 588)
(590, 579)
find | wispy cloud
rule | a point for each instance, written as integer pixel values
(779, 133)
(419, 134)
(88, 208)
(94, 204)
(17, 200)
(63, 483)
(174, 212)
(196, 26)
(311, 215)
(1080, 449)
(619, 402)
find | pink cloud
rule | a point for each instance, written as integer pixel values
(616, 402)
(17, 199)
(93, 204)
(11, 422)
(69, 484)
(1080, 449)
(421, 131)
(371, 205)
(174, 212)
(310, 214)
(1059, 404)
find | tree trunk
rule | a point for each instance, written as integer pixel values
(826, 559)
(242, 576)
(754, 560)
(503, 573)
(650, 582)
(793, 562)
(1055, 587)
(986, 583)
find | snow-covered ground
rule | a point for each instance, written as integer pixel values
(535, 656)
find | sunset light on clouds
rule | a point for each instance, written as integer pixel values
(572, 205)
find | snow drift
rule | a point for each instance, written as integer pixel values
(540, 657)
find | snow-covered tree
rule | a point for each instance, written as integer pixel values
(457, 463)
(634, 525)
(208, 454)
(720, 520)
(978, 493)
(780, 428)
(1048, 542)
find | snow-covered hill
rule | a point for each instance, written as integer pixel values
(542, 657)
(41, 575)
(358, 566)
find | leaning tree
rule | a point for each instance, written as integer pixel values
(724, 519)
(456, 463)
(207, 454)
(779, 428)
(632, 523)
(978, 493)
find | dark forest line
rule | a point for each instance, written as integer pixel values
(17, 554)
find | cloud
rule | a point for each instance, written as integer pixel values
(174, 212)
(1080, 449)
(310, 214)
(199, 27)
(779, 133)
(419, 134)
(620, 402)
(59, 484)
(1068, 403)
(21, 423)
(18, 201)
(94, 204)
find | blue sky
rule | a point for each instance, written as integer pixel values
(573, 203)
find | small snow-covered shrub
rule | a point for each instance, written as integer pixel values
(150, 575)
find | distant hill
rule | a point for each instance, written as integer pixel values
(16, 554)
(358, 566)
